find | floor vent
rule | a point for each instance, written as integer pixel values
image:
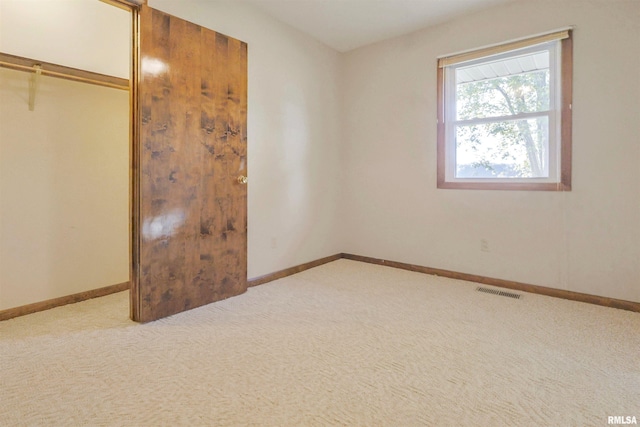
(497, 292)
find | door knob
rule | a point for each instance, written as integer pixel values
(242, 179)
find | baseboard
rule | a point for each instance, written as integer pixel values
(57, 302)
(541, 290)
(292, 270)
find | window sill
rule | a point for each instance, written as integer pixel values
(509, 186)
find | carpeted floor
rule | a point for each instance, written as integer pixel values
(346, 343)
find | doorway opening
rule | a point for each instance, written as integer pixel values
(64, 153)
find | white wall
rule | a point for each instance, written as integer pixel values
(64, 185)
(85, 34)
(586, 240)
(294, 150)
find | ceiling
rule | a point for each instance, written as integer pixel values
(349, 24)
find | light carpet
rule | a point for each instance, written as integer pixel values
(346, 343)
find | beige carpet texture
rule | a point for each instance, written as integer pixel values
(343, 344)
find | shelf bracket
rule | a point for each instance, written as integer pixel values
(33, 85)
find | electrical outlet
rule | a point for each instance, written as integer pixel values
(484, 245)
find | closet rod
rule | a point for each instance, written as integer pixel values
(60, 71)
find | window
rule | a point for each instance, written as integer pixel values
(504, 116)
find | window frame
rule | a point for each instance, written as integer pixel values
(562, 181)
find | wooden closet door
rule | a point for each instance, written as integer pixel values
(189, 156)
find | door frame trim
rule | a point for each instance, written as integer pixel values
(125, 4)
(134, 155)
(134, 7)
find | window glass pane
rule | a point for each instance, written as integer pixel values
(505, 87)
(504, 149)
